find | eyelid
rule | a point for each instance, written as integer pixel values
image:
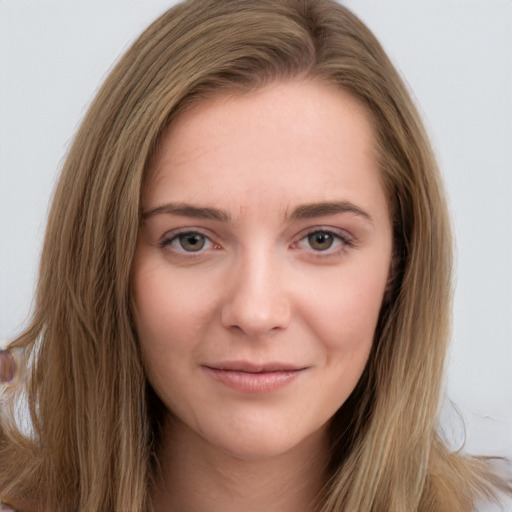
(166, 240)
(341, 235)
(344, 238)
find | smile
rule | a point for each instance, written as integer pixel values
(248, 378)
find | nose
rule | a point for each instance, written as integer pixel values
(256, 302)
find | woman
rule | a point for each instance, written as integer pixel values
(232, 299)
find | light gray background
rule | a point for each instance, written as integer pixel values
(457, 58)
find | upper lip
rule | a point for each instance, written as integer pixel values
(249, 367)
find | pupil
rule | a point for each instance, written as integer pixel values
(320, 241)
(192, 242)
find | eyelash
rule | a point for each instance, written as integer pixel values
(168, 241)
(341, 241)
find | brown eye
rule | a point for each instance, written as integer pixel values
(191, 242)
(320, 240)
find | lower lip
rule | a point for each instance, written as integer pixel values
(246, 382)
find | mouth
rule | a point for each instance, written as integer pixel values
(245, 377)
(247, 367)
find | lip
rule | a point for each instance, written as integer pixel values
(246, 377)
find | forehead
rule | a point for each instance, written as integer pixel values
(291, 142)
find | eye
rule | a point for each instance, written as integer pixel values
(324, 241)
(190, 241)
(320, 240)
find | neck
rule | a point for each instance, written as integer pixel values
(195, 475)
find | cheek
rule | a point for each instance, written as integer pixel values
(164, 333)
(347, 313)
(345, 318)
(172, 315)
(346, 327)
(156, 310)
(164, 305)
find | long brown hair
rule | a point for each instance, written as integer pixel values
(95, 420)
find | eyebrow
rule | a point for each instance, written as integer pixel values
(306, 211)
(187, 210)
(309, 211)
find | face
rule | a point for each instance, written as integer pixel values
(261, 265)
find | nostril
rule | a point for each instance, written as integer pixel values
(256, 320)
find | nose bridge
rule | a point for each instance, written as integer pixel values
(256, 300)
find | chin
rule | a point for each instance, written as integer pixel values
(259, 442)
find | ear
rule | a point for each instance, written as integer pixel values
(7, 367)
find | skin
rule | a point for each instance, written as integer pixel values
(267, 281)
(7, 367)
